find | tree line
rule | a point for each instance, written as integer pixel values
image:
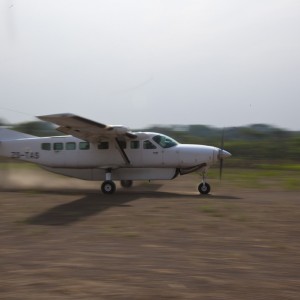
(248, 144)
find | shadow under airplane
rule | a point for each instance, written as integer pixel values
(93, 202)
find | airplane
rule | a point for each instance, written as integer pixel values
(94, 151)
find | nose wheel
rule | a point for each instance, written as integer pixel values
(204, 188)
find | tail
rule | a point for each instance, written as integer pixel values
(7, 135)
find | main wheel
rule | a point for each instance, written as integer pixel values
(126, 183)
(204, 188)
(108, 187)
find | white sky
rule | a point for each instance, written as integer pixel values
(137, 63)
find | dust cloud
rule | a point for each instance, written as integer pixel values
(34, 178)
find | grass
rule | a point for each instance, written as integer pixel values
(212, 211)
(284, 176)
(291, 183)
(17, 166)
(208, 209)
(282, 167)
(227, 211)
(287, 178)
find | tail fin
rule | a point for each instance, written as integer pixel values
(7, 134)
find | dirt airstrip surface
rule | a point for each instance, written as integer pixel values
(62, 239)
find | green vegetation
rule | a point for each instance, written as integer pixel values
(212, 211)
(282, 178)
(2, 122)
(282, 167)
(263, 155)
(36, 128)
(12, 164)
(227, 211)
(255, 146)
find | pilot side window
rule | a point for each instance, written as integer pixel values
(58, 146)
(148, 145)
(103, 145)
(84, 146)
(164, 141)
(71, 146)
(46, 146)
(135, 144)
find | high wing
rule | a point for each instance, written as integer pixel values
(86, 129)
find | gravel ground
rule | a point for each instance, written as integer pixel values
(62, 239)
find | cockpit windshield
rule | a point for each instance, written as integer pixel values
(164, 141)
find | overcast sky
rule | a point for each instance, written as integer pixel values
(137, 63)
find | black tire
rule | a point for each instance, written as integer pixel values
(204, 188)
(108, 187)
(126, 183)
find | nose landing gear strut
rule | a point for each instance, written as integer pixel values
(204, 187)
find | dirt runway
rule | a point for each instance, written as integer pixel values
(62, 239)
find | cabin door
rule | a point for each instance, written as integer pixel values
(152, 154)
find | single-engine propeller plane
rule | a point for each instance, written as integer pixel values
(95, 151)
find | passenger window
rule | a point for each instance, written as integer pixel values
(46, 146)
(71, 146)
(135, 144)
(148, 145)
(103, 145)
(84, 146)
(58, 146)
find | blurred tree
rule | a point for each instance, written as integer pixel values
(36, 128)
(248, 144)
(2, 122)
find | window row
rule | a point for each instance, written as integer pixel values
(67, 146)
(103, 145)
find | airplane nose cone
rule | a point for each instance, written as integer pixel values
(223, 154)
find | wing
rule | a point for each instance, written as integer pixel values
(86, 129)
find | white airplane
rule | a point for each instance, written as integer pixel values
(94, 151)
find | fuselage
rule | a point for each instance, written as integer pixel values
(95, 151)
(70, 152)
(65, 154)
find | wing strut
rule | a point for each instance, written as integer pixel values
(121, 149)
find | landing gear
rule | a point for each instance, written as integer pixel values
(204, 187)
(126, 183)
(108, 187)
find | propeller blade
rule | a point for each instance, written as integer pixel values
(221, 154)
(222, 140)
(221, 168)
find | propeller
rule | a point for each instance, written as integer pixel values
(221, 154)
